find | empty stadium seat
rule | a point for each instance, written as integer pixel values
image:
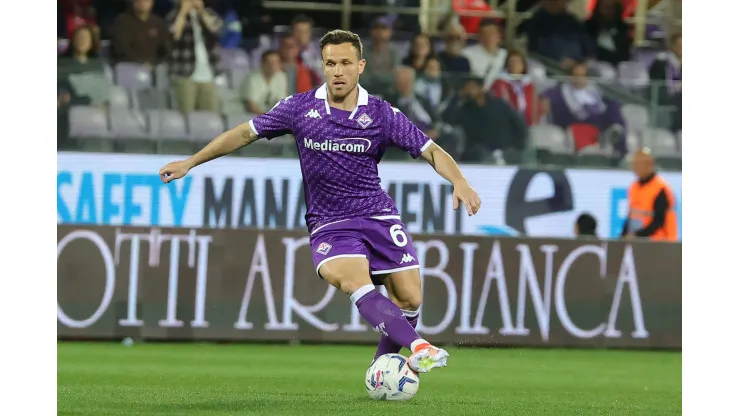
(633, 74)
(549, 137)
(118, 97)
(127, 123)
(132, 76)
(234, 58)
(88, 122)
(636, 116)
(661, 142)
(204, 126)
(593, 156)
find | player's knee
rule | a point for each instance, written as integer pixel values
(343, 278)
(410, 302)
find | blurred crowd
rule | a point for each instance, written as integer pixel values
(468, 89)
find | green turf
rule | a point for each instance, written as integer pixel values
(202, 379)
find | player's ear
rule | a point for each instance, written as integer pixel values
(361, 66)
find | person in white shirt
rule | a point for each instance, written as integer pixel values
(486, 58)
(263, 89)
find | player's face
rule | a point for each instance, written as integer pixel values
(342, 69)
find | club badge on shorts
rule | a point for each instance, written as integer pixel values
(323, 248)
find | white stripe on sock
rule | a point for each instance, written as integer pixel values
(361, 292)
(410, 314)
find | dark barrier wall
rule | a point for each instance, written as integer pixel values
(260, 285)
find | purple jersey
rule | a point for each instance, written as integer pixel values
(339, 151)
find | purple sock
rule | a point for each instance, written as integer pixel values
(385, 316)
(387, 345)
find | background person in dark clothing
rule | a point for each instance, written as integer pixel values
(555, 33)
(585, 225)
(140, 36)
(609, 32)
(490, 124)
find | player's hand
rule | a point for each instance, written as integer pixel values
(465, 194)
(174, 170)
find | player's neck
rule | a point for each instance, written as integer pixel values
(347, 103)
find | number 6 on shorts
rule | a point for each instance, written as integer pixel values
(398, 236)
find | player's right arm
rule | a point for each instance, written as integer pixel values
(275, 122)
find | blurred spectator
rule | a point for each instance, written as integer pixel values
(486, 57)
(231, 35)
(421, 50)
(666, 69)
(195, 61)
(609, 32)
(422, 113)
(79, 13)
(262, 89)
(652, 203)
(300, 77)
(81, 78)
(471, 24)
(490, 124)
(380, 59)
(586, 226)
(516, 87)
(430, 85)
(301, 27)
(451, 58)
(408, 23)
(255, 21)
(579, 103)
(140, 36)
(555, 33)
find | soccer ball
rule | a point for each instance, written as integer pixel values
(390, 378)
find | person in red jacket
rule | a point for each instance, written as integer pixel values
(470, 23)
(515, 87)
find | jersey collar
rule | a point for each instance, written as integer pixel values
(321, 94)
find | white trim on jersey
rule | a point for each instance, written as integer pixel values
(328, 223)
(426, 145)
(322, 94)
(387, 217)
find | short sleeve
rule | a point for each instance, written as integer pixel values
(404, 134)
(276, 122)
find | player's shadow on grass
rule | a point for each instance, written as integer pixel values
(260, 403)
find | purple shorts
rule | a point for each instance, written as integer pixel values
(382, 240)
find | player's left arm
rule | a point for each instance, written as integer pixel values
(447, 168)
(407, 136)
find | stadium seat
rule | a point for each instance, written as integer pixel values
(583, 135)
(544, 84)
(88, 122)
(661, 142)
(236, 76)
(161, 77)
(151, 99)
(132, 76)
(551, 145)
(118, 98)
(604, 71)
(636, 116)
(230, 100)
(633, 141)
(204, 126)
(168, 128)
(633, 74)
(234, 58)
(128, 124)
(549, 137)
(593, 156)
(536, 70)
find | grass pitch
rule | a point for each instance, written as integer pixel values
(205, 379)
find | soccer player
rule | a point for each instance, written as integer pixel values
(357, 237)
